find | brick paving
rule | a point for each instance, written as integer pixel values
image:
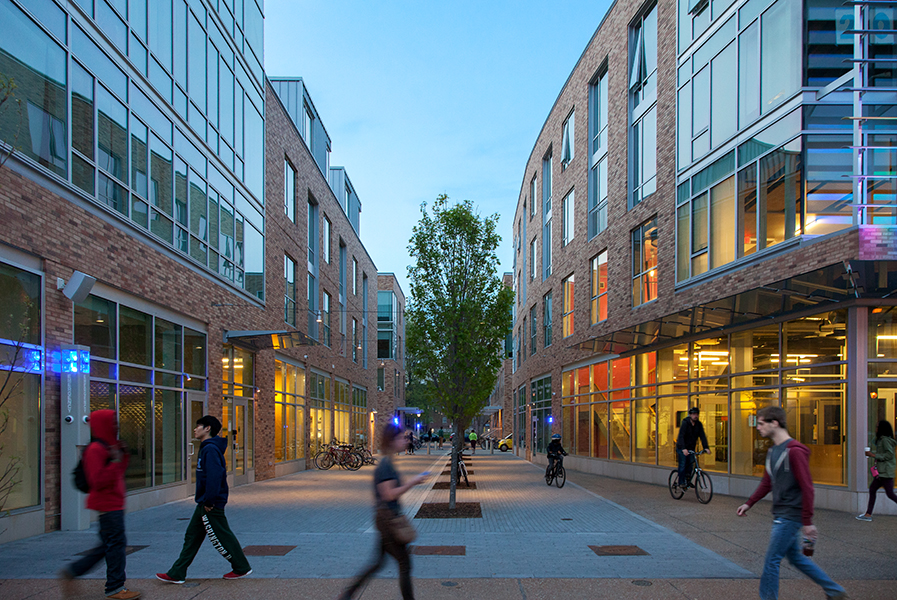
(532, 542)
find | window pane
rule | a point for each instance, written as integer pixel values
(683, 237)
(112, 135)
(722, 223)
(829, 188)
(620, 438)
(38, 66)
(82, 111)
(699, 223)
(715, 417)
(815, 418)
(723, 96)
(781, 53)
(136, 337)
(135, 429)
(169, 439)
(168, 345)
(95, 326)
(779, 195)
(749, 75)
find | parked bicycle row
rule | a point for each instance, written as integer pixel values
(346, 456)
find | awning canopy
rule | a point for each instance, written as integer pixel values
(826, 286)
(268, 340)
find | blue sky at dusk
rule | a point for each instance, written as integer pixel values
(423, 98)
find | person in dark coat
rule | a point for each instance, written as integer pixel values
(105, 460)
(689, 432)
(209, 518)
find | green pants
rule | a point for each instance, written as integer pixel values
(214, 525)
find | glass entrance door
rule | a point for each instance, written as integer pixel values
(196, 410)
(237, 426)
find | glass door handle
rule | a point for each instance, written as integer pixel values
(191, 449)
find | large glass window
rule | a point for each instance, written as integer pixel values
(644, 263)
(567, 317)
(289, 415)
(546, 319)
(320, 411)
(532, 329)
(569, 211)
(289, 190)
(325, 320)
(567, 141)
(22, 361)
(289, 300)
(542, 419)
(639, 403)
(598, 119)
(643, 106)
(599, 287)
(37, 65)
(546, 216)
(141, 366)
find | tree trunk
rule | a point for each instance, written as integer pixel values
(457, 446)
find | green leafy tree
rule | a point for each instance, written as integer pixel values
(458, 314)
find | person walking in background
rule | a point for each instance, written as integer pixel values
(787, 475)
(105, 460)
(883, 468)
(441, 435)
(388, 489)
(211, 498)
(409, 449)
(473, 441)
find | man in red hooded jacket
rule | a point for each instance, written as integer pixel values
(105, 461)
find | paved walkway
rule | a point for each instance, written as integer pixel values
(532, 542)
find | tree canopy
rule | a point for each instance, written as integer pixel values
(459, 311)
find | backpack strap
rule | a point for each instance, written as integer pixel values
(782, 459)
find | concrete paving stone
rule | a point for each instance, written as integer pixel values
(523, 547)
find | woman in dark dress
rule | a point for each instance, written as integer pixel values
(388, 488)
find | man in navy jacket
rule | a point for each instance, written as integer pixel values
(208, 518)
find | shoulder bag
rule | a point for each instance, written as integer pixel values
(397, 527)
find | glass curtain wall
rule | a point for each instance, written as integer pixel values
(342, 412)
(630, 409)
(141, 366)
(359, 433)
(289, 411)
(540, 395)
(197, 184)
(320, 411)
(21, 364)
(238, 387)
(882, 368)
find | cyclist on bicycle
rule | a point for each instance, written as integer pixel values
(555, 453)
(689, 432)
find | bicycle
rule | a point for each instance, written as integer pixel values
(556, 474)
(462, 470)
(699, 480)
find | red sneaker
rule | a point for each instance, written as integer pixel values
(164, 577)
(233, 575)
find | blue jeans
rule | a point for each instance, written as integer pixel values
(686, 466)
(785, 542)
(112, 548)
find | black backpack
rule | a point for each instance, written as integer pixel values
(78, 474)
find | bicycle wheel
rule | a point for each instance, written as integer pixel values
(703, 488)
(318, 457)
(560, 477)
(675, 491)
(326, 461)
(462, 470)
(354, 461)
(549, 476)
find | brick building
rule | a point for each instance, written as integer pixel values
(687, 234)
(230, 274)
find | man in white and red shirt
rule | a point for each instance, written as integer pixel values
(788, 476)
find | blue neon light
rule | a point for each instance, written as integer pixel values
(395, 420)
(29, 358)
(551, 419)
(84, 366)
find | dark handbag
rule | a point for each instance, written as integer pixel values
(394, 526)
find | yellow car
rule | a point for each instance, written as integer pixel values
(505, 443)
